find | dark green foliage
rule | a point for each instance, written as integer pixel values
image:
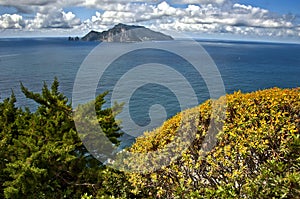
(106, 118)
(9, 132)
(41, 155)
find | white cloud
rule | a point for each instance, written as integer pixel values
(192, 17)
(14, 21)
(58, 19)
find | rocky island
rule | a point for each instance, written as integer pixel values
(126, 33)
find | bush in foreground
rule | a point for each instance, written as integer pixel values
(257, 154)
(41, 155)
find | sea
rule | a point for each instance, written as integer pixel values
(239, 65)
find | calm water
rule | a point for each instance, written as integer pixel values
(243, 66)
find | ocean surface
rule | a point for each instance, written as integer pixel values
(245, 66)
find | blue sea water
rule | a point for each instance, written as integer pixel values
(245, 66)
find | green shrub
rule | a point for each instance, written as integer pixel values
(41, 155)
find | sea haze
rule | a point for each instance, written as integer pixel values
(245, 66)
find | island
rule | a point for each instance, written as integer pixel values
(126, 33)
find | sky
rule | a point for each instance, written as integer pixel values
(273, 20)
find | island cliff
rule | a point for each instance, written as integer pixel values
(126, 33)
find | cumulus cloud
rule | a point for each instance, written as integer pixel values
(53, 20)
(206, 18)
(14, 21)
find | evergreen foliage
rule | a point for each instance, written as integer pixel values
(41, 155)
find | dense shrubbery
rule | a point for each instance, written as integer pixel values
(256, 154)
(41, 155)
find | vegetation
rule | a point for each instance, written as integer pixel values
(41, 155)
(256, 155)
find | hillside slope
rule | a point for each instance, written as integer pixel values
(257, 153)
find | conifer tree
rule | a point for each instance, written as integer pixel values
(41, 153)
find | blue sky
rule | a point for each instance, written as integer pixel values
(279, 6)
(233, 19)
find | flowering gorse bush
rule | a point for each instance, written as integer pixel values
(256, 154)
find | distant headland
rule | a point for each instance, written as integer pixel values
(124, 33)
